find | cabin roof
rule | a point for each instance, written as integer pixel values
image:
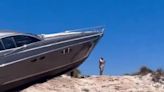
(10, 33)
(7, 33)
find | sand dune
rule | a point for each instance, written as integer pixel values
(99, 84)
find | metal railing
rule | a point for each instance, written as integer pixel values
(90, 29)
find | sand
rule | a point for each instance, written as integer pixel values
(99, 84)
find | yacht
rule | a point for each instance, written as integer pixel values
(27, 57)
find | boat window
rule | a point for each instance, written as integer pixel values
(8, 42)
(1, 46)
(22, 40)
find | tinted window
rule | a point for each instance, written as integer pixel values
(1, 46)
(8, 42)
(22, 40)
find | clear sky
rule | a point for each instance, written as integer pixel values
(134, 29)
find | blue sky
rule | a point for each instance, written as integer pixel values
(134, 34)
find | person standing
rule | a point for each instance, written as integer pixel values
(101, 65)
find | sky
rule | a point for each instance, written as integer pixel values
(134, 29)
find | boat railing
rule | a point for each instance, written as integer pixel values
(78, 32)
(90, 29)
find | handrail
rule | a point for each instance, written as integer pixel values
(99, 29)
(92, 29)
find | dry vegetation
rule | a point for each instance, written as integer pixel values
(157, 75)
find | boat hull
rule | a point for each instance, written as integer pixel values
(19, 85)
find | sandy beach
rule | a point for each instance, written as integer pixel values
(99, 84)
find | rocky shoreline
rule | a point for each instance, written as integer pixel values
(95, 83)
